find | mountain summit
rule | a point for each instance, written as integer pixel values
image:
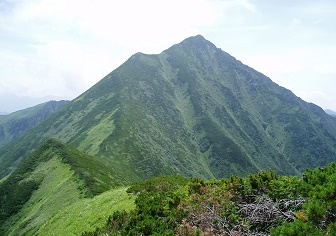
(193, 110)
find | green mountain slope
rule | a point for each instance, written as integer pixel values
(14, 124)
(54, 177)
(192, 110)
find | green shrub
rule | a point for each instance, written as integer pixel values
(174, 205)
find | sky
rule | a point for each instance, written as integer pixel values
(61, 48)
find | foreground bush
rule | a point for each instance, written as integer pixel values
(261, 204)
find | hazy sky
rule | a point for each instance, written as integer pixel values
(63, 47)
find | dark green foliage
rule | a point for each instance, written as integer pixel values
(318, 215)
(261, 203)
(14, 195)
(156, 210)
(260, 182)
(160, 183)
(297, 228)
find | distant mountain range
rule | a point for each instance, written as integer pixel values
(16, 123)
(192, 110)
(330, 112)
(15, 103)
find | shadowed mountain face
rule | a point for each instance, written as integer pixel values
(193, 110)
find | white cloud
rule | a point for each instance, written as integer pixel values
(70, 45)
(130, 23)
(63, 47)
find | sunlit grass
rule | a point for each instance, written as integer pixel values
(88, 214)
(58, 189)
(59, 207)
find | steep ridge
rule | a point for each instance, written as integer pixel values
(14, 124)
(54, 177)
(192, 110)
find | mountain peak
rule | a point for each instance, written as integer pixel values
(192, 110)
(197, 38)
(197, 42)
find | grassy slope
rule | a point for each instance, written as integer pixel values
(59, 189)
(87, 214)
(58, 206)
(60, 176)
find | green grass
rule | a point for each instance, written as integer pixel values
(54, 177)
(58, 189)
(96, 135)
(88, 214)
(59, 206)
